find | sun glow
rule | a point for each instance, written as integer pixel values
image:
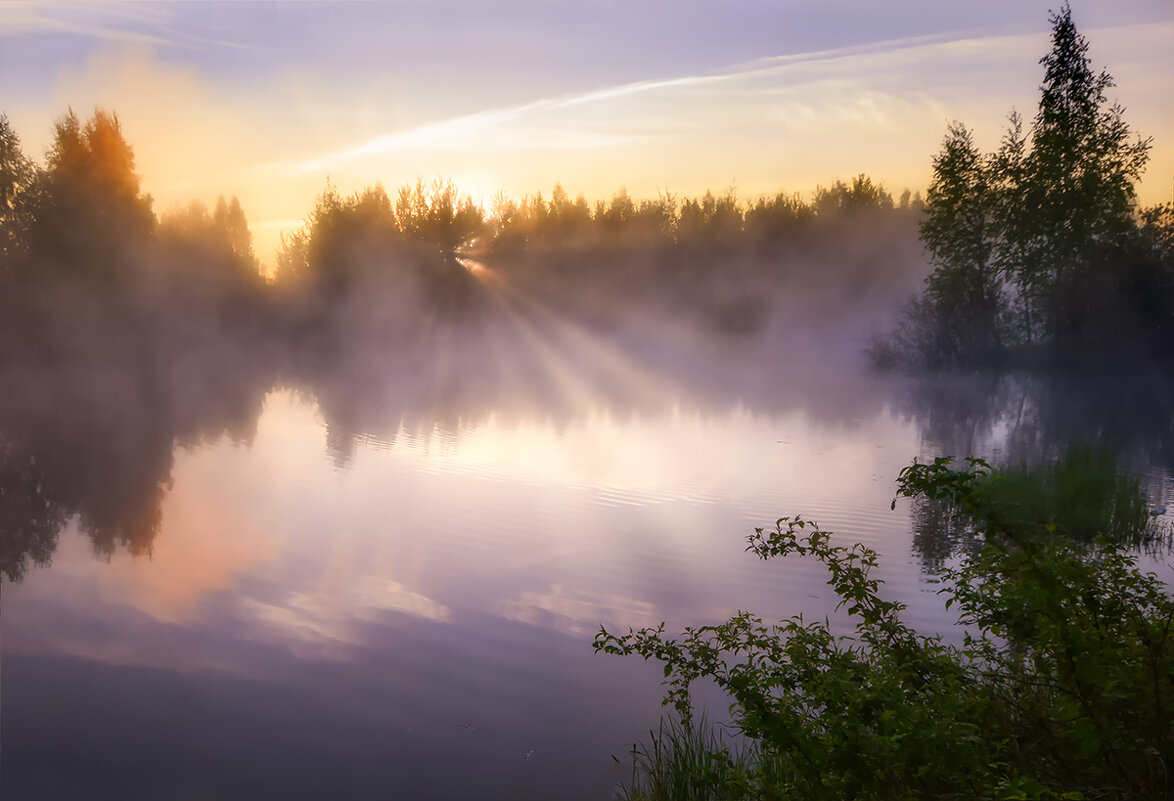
(772, 123)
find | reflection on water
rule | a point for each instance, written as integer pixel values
(379, 575)
(98, 446)
(1015, 419)
(1024, 416)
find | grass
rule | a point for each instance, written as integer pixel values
(1083, 495)
(689, 761)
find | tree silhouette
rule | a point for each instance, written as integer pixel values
(862, 194)
(1077, 192)
(1038, 244)
(92, 212)
(212, 281)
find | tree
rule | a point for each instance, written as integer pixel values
(18, 176)
(1033, 244)
(210, 272)
(229, 219)
(94, 203)
(963, 292)
(437, 215)
(862, 194)
(1076, 195)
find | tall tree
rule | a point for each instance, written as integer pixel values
(94, 200)
(1076, 195)
(1033, 243)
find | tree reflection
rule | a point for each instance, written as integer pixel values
(97, 446)
(1018, 418)
(30, 518)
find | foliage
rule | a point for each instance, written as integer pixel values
(963, 296)
(1037, 244)
(863, 193)
(18, 180)
(1060, 689)
(1074, 640)
(93, 200)
(219, 239)
(1082, 495)
(1080, 173)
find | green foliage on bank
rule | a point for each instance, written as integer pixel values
(1062, 687)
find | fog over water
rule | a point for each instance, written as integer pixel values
(366, 570)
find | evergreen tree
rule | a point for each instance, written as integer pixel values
(94, 205)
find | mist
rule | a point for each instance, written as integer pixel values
(129, 333)
(134, 344)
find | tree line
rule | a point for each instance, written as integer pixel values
(85, 256)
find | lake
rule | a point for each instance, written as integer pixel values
(379, 577)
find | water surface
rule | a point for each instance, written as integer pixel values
(384, 582)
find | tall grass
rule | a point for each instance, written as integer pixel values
(1083, 495)
(689, 761)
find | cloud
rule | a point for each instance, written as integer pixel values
(126, 23)
(504, 128)
(574, 611)
(316, 624)
(461, 130)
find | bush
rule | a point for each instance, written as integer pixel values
(1061, 689)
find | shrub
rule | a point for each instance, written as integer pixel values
(1061, 689)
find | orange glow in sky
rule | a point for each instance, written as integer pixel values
(217, 101)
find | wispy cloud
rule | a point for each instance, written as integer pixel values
(498, 128)
(927, 48)
(842, 53)
(128, 23)
(463, 128)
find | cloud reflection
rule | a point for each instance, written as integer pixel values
(310, 622)
(577, 612)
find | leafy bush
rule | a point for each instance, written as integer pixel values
(1061, 689)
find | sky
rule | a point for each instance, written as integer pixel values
(270, 101)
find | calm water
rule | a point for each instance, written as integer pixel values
(383, 583)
